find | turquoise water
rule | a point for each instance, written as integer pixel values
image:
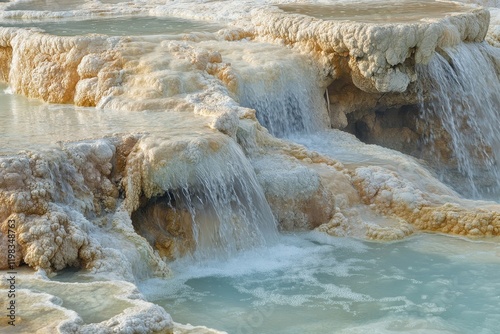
(313, 283)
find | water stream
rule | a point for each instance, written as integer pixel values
(286, 97)
(464, 88)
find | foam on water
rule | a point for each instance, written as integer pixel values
(312, 283)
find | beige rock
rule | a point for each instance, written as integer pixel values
(61, 307)
(378, 54)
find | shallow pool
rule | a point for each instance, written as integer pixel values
(378, 11)
(313, 283)
(31, 124)
(118, 26)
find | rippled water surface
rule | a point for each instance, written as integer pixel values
(312, 283)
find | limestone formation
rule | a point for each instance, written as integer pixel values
(73, 307)
(380, 57)
(212, 180)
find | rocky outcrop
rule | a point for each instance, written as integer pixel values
(389, 194)
(211, 180)
(380, 57)
(371, 65)
(377, 87)
(50, 67)
(61, 203)
(62, 307)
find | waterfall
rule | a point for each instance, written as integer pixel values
(286, 97)
(460, 93)
(212, 205)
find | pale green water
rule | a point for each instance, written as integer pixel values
(56, 5)
(377, 11)
(312, 283)
(30, 124)
(118, 26)
(49, 5)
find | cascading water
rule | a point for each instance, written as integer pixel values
(212, 207)
(170, 188)
(285, 98)
(460, 92)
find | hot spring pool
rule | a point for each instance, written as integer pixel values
(118, 26)
(313, 283)
(30, 124)
(385, 11)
